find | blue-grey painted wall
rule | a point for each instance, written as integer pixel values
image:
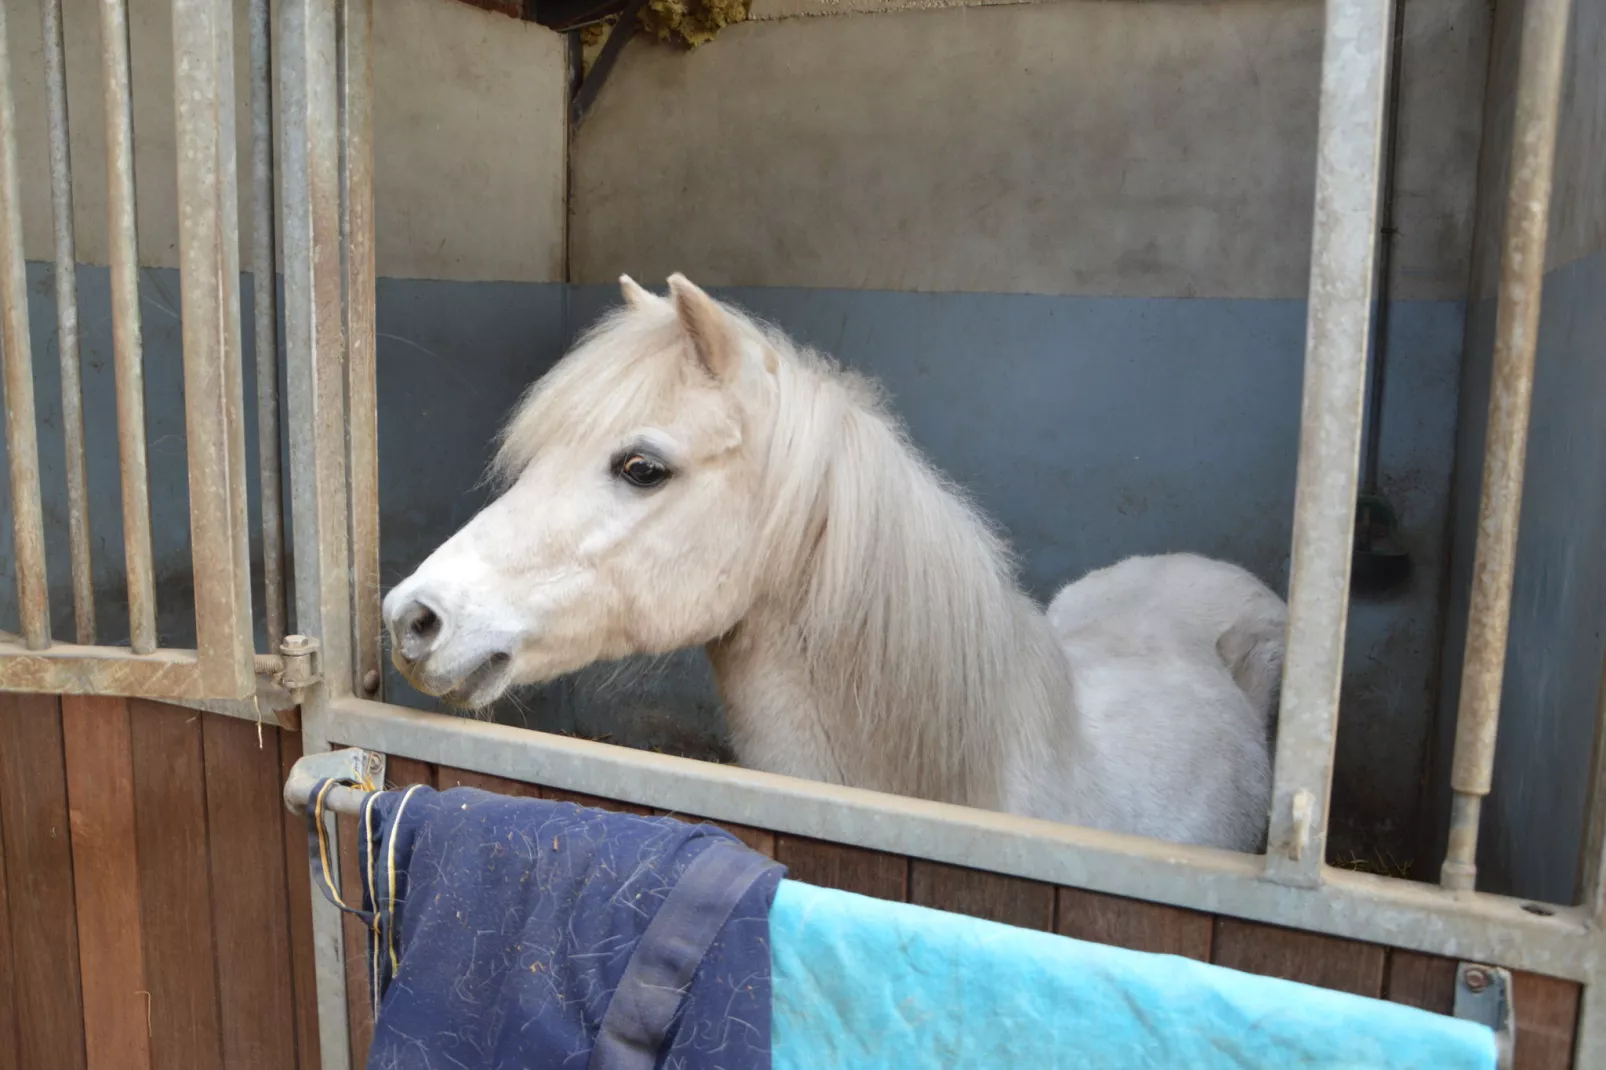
(1090, 427)
(1534, 818)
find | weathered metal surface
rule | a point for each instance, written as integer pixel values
(362, 435)
(360, 767)
(68, 669)
(1349, 153)
(315, 343)
(209, 264)
(315, 356)
(1396, 913)
(72, 394)
(127, 347)
(265, 286)
(1522, 270)
(22, 437)
(1483, 995)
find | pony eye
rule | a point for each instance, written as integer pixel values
(642, 471)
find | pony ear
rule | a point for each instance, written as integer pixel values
(635, 296)
(707, 325)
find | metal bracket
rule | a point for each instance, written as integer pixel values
(1300, 807)
(1483, 995)
(365, 769)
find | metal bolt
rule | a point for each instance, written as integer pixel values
(1477, 980)
(295, 644)
(370, 681)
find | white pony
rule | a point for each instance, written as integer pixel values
(689, 476)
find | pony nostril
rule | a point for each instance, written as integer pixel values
(425, 625)
(417, 628)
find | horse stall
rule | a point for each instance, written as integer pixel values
(1309, 288)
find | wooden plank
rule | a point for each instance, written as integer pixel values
(100, 789)
(405, 772)
(44, 931)
(760, 840)
(181, 960)
(1135, 924)
(850, 869)
(1011, 900)
(1310, 958)
(298, 886)
(447, 778)
(1417, 980)
(1547, 1021)
(9, 1057)
(249, 895)
(399, 773)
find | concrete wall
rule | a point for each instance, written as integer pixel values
(1070, 238)
(1534, 818)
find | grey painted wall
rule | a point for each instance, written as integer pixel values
(1534, 817)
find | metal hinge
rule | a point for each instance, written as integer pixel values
(1483, 995)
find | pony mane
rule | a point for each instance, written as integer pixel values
(902, 593)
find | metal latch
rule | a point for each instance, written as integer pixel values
(1483, 995)
(363, 769)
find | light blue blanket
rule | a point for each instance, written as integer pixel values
(860, 983)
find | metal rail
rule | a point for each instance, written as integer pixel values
(22, 437)
(72, 393)
(1349, 146)
(127, 346)
(265, 309)
(362, 436)
(1522, 279)
(316, 356)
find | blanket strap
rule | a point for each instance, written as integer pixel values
(655, 980)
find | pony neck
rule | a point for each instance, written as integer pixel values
(889, 646)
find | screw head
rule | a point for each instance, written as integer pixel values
(1477, 980)
(370, 681)
(295, 644)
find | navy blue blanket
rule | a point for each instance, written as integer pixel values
(521, 933)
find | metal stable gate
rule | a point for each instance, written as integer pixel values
(321, 81)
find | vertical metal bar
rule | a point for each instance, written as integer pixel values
(315, 356)
(361, 367)
(1349, 143)
(72, 393)
(315, 344)
(1522, 280)
(214, 402)
(126, 333)
(22, 436)
(264, 270)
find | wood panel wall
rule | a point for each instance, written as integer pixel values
(155, 911)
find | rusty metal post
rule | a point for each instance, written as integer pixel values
(1349, 149)
(72, 393)
(127, 345)
(214, 401)
(357, 225)
(1522, 279)
(266, 315)
(22, 436)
